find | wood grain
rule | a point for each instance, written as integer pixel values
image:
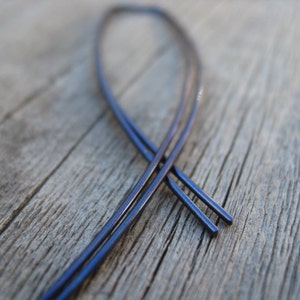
(65, 164)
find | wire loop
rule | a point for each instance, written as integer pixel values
(141, 193)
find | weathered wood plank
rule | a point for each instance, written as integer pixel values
(61, 154)
(58, 107)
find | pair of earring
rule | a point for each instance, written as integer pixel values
(159, 163)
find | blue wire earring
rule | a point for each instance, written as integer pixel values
(141, 193)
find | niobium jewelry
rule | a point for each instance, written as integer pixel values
(163, 166)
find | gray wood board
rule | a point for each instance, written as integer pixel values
(66, 165)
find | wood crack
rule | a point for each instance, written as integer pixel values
(37, 93)
(31, 195)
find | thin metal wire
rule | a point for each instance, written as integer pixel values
(145, 145)
(92, 256)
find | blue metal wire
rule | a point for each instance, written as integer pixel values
(133, 204)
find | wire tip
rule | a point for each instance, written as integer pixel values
(229, 220)
(214, 232)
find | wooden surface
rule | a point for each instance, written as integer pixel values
(65, 164)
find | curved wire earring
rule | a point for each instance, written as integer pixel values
(141, 193)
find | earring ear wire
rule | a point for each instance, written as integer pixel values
(159, 168)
